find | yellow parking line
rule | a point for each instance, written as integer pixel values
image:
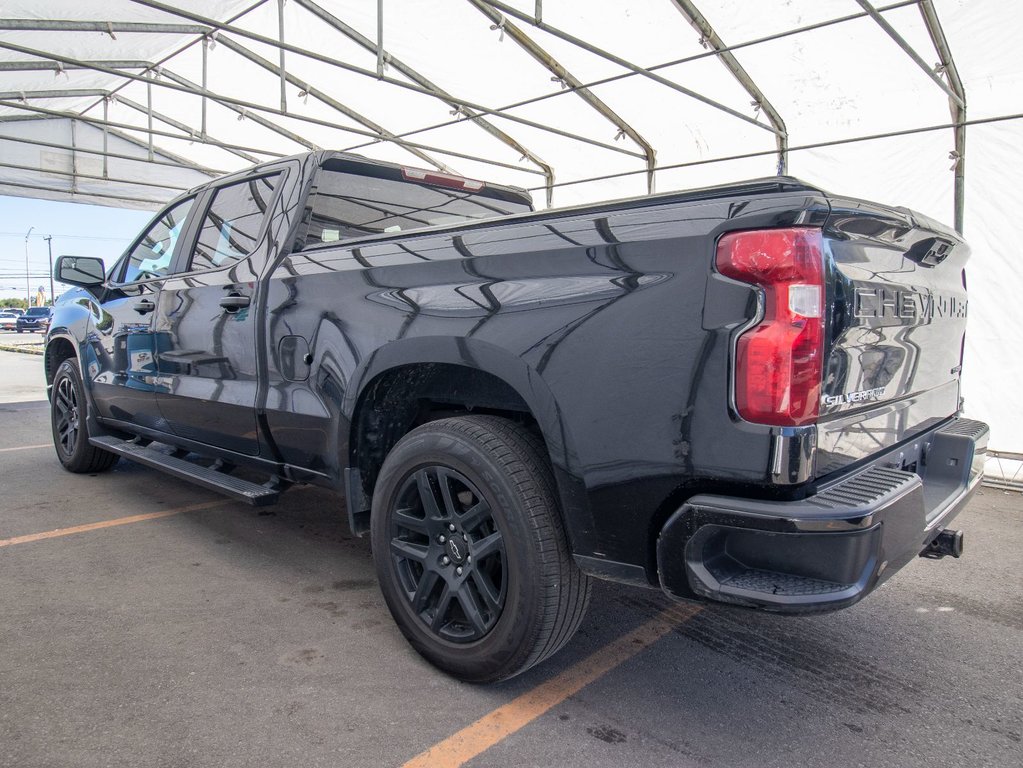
(26, 447)
(492, 728)
(110, 523)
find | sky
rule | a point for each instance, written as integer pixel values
(77, 229)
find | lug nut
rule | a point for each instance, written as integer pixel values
(468, 559)
(445, 560)
(465, 537)
(441, 539)
(451, 526)
(458, 570)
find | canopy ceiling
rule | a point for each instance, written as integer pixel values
(129, 102)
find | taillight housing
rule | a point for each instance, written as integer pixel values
(778, 362)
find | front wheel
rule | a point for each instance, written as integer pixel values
(70, 427)
(470, 549)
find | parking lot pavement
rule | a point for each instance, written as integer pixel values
(208, 633)
(21, 378)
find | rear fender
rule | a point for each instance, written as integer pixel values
(526, 383)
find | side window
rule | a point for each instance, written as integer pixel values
(152, 256)
(232, 222)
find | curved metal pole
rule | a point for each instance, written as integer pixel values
(416, 77)
(331, 102)
(910, 51)
(537, 51)
(707, 35)
(958, 109)
(634, 68)
(248, 105)
(338, 64)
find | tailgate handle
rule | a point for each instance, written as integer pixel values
(144, 307)
(235, 301)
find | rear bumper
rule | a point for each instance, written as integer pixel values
(831, 549)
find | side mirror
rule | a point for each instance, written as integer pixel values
(84, 271)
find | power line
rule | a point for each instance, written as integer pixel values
(70, 237)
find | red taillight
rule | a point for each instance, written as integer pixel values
(778, 362)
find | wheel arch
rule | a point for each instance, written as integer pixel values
(59, 347)
(470, 376)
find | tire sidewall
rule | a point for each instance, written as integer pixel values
(504, 648)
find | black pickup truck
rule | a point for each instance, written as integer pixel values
(747, 394)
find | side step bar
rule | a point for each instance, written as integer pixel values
(251, 493)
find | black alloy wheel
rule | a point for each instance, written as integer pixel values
(66, 416)
(70, 426)
(449, 554)
(470, 549)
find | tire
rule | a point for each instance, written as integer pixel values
(519, 597)
(70, 427)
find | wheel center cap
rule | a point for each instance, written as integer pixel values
(457, 550)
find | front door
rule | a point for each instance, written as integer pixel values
(120, 358)
(206, 322)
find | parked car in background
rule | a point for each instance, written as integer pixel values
(35, 319)
(8, 320)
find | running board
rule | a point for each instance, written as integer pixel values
(251, 493)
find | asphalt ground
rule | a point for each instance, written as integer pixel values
(194, 631)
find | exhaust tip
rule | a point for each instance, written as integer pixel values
(948, 543)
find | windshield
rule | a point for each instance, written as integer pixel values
(357, 199)
(38, 311)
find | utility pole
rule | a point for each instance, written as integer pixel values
(28, 286)
(49, 246)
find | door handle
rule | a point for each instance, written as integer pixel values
(144, 307)
(234, 302)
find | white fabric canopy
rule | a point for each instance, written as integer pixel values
(485, 89)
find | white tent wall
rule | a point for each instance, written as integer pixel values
(832, 84)
(37, 160)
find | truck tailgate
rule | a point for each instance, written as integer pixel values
(893, 353)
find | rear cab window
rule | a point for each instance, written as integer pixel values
(233, 222)
(354, 199)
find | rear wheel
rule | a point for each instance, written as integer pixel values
(70, 427)
(470, 549)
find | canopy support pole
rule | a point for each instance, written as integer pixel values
(343, 65)
(128, 127)
(74, 157)
(417, 77)
(247, 105)
(259, 119)
(905, 46)
(708, 36)
(283, 69)
(540, 54)
(380, 38)
(205, 64)
(331, 102)
(149, 110)
(106, 136)
(624, 63)
(958, 109)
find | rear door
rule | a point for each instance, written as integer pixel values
(120, 357)
(205, 325)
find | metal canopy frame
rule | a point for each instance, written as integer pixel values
(499, 122)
